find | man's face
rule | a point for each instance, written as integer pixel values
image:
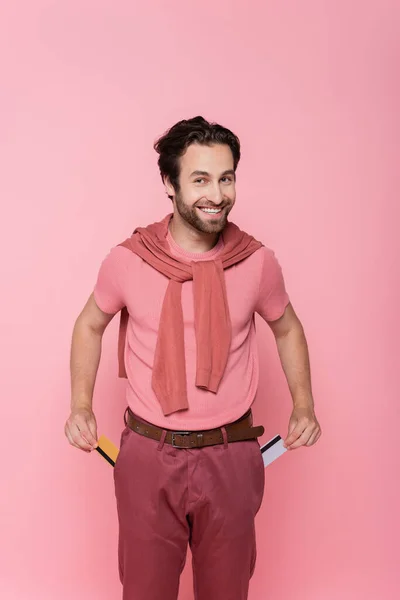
(207, 180)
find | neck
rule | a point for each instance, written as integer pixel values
(189, 238)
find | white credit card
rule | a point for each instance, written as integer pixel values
(272, 450)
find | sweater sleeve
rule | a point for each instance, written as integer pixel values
(111, 281)
(272, 295)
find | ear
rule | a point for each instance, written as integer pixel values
(169, 188)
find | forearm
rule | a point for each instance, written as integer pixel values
(294, 356)
(84, 363)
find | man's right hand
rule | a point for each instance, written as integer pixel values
(81, 429)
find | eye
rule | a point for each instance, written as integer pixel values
(200, 180)
(227, 179)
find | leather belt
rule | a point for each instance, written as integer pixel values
(240, 430)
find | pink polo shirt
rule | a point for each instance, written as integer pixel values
(254, 285)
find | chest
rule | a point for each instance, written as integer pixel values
(146, 288)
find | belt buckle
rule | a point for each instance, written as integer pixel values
(174, 433)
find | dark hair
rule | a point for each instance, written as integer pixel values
(174, 143)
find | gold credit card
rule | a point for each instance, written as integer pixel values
(107, 450)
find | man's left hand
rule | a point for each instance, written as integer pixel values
(304, 429)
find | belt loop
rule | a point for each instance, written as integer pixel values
(162, 440)
(125, 419)
(224, 437)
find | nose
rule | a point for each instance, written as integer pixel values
(215, 195)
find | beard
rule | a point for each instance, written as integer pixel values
(191, 215)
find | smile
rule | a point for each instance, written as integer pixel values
(211, 211)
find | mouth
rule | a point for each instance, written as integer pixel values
(211, 212)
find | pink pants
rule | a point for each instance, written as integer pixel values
(168, 498)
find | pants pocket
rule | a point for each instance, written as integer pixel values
(259, 476)
(125, 435)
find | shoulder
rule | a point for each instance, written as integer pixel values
(120, 255)
(271, 267)
(268, 256)
(264, 257)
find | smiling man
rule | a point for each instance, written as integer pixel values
(190, 470)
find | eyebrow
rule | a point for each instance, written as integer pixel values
(205, 174)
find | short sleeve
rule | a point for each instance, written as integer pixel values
(272, 295)
(111, 281)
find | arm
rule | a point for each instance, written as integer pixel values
(293, 352)
(81, 428)
(292, 347)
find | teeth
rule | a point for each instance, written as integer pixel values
(211, 210)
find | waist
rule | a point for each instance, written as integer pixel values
(239, 430)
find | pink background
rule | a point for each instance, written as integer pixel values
(312, 89)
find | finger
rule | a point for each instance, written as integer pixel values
(314, 437)
(87, 435)
(302, 440)
(296, 433)
(69, 434)
(69, 438)
(84, 426)
(93, 430)
(79, 439)
(71, 441)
